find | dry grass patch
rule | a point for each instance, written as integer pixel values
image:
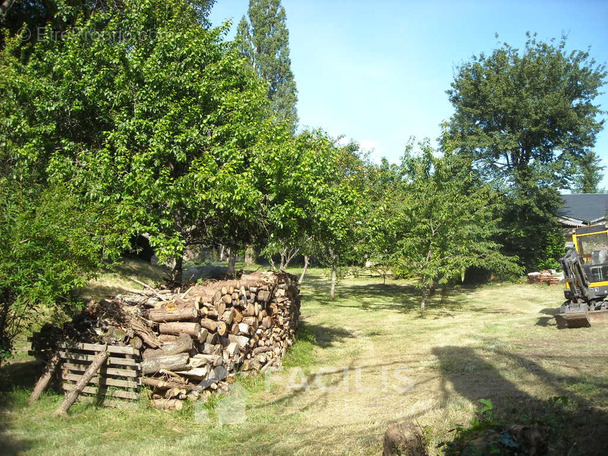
(363, 362)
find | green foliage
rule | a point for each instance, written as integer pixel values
(150, 113)
(442, 222)
(529, 227)
(296, 175)
(263, 38)
(483, 426)
(528, 121)
(49, 247)
(590, 174)
(533, 108)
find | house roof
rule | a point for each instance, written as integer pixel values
(585, 207)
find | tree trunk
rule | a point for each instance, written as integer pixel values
(290, 254)
(176, 272)
(306, 263)
(444, 293)
(249, 255)
(182, 344)
(231, 263)
(425, 297)
(283, 259)
(334, 276)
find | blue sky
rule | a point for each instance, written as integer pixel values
(377, 71)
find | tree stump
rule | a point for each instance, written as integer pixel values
(403, 439)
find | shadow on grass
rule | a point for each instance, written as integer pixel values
(323, 336)
(575, 425)
(550, 319)
(14, 376)
(400, 297)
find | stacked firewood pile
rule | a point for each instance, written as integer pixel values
(194, 342)
(550, 277)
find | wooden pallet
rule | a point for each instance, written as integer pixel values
(119, 378)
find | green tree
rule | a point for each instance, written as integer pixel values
(590, 174)
(528, 120)
(515, 110)
(49, 247)
(263, 38)
(444, 221)
(338, 225)
(381, 207)
(146, 112)
(292, 173)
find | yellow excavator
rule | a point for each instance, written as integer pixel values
(585, 268)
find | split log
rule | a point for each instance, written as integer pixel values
(163, 315)
(264, 296)
(222, 328)
(211, 325)
(232, 349)
(249, 310)
(192, 329)
(212, 338)
(159, 383)
(43, 381)
(170, 362)
(201, 359)
(251, 321)
(220, 307)
(244, 329)
(228, 316)
(202, 336)
(241, 341)
(182, 344)
(88, 374)
(167, 404)
(260, 350)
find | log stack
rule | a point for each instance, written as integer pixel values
(195, 342)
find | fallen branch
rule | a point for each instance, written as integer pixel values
(43, 381)
(145, 285)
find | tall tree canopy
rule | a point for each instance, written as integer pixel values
(263, 38)
(149, 112)
(531, 108)
(138, 122)
(528, 121)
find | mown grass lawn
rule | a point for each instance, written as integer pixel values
(363, 361)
